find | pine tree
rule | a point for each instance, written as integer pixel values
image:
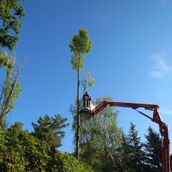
(152, 149)
(136, 153)
(50, 130)
(123, 154)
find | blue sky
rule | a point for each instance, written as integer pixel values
(130, 60)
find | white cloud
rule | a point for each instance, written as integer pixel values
(160, 67)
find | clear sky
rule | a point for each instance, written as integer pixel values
(131, 58)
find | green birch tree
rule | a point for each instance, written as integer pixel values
(100, 138)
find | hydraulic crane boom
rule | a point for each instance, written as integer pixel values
(156, 118)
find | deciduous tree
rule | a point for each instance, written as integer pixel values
(100, 138)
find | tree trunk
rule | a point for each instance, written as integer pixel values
(78, 116)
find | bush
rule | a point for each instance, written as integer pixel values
(68, 163)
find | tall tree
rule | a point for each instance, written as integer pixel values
(50, 129)
(80, 46)
(135, 150)
(123, 153)
(11, 13)
(152, 149)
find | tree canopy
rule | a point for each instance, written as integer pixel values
(50, 129)
(80, 46)
(11, 13)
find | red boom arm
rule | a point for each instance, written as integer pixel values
(156, 118)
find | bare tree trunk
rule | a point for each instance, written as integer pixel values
(78, 116)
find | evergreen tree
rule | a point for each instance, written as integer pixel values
(152, 149)
(50, 129)
(123, 154)
(136, 154)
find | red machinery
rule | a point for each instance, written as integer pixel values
(156, 118)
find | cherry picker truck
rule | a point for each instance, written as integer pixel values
(92, 111)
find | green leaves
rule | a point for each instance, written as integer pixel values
(67, 163)
(5, 61)
(10, 87)
(152, 149)
(80, 46)
(100, 136)
(11, 13)
(88, 82)
(77, 62)
(50, 129)
(81, 43)
(20, 151)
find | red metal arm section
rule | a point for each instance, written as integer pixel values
(102, 105)
(156, 118)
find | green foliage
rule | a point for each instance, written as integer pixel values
(88, 82)
(10, 87)
(22, 152)
(80, 46)
(68, 163)
(50, 130)
(152, 149)
(134, 156)
(135, 147)
(11, 13)
(100, 137)
(123, 155)
(5, 61)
